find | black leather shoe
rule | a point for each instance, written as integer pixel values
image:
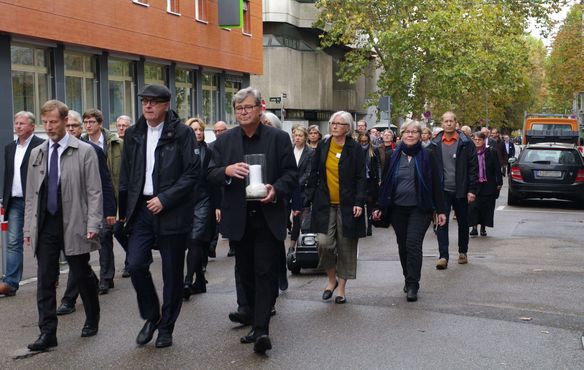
(44, 342)
(340, 300)
(164, 340)
(473, 232)
(125, 273)
(89, 330)
(249, 337)
(412, 295)
(200, 286)
(65, 309)
(262, 344)
(187, 292)
(212, 252)
(240, 318)
(328, 294)
(231, 252)
(147, 332)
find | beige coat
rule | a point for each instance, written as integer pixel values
(81, 195)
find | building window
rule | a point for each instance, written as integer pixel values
(232, 85)
(31, 81)
(185, 93)
(80, 81)
(210, 97)
(121, 88)
(246, 18)
(172, 6)
(201, 10)
(155, 74)
(141, 2)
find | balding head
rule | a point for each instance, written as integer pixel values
(219, 128)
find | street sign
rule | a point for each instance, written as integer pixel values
(275, 99)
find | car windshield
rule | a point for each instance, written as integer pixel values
(550, 156)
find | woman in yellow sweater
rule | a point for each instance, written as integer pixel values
(337, 192)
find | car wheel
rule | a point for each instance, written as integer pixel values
(292, 264)
(512, 199)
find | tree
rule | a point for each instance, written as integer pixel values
(565, 67)
(464, 55)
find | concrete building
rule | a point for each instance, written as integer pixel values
(303, 77)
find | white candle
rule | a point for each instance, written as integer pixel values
(255, 174)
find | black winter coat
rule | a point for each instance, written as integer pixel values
(175, 177)
(494, 177)
(352, 184)
(466, 164)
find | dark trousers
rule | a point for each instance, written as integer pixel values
(106, 254)
(410, 225)
(460, 206)
(141, 240)
(120, 235)
(50, 244)
(197, 249)
(257, 260)
(106, 262)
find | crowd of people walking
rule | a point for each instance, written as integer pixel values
(158, 185)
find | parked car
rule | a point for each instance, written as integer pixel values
(547, 170)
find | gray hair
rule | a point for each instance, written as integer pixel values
(242, 94)
(73, 114)
(125, 118)
(29, 115)
(346, 117)
(274, 120)
(409, 123)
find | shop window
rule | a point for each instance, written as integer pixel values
(232, 86)
(121, 88)
(201, 9)
(31, 80)
(246, 18)
(210, 97)
(185, 93)
(80, 81)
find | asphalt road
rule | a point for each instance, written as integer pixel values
(518, 304)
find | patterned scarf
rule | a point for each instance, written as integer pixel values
(482, 164)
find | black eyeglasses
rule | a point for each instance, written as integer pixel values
(246, 108)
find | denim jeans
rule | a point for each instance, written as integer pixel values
(460, 206)
(13, 273)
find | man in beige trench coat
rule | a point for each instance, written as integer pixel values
(63, 212)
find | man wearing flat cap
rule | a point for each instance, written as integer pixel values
(159, 172)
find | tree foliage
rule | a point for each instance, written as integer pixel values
(467, 55)
(565, 67)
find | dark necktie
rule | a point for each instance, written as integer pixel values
(52, 198)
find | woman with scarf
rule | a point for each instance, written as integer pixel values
(410, 192)
(371, 174)
(490, 181)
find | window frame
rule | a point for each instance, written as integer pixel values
(174, 10)
(131, 80)
(204, 17)
(88, 73)
(141, 2)
(246, 26)
(36, 70)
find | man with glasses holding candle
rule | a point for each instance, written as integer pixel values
(158, 177)
(257, 228)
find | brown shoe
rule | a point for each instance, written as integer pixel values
(7, 290)
(442, 264)
(462, 259)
